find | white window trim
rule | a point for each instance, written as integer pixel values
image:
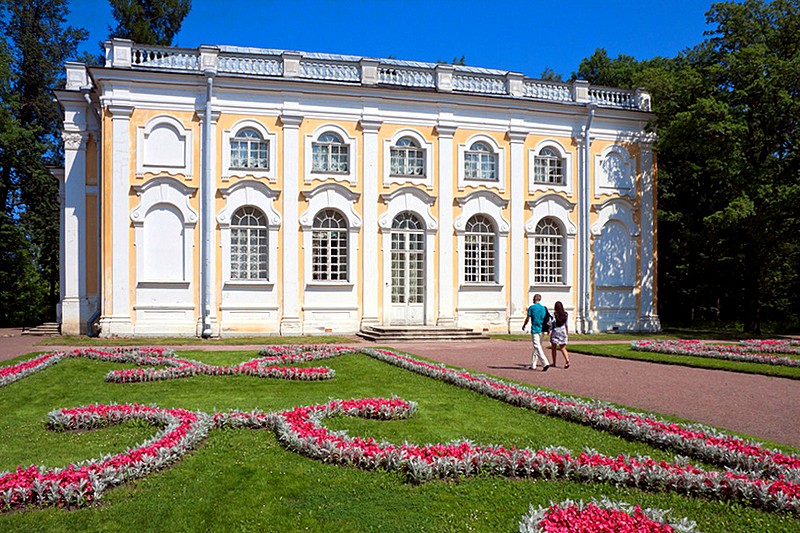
(490, 205)
(427, 149)
(557, 208)
(500, 153)
(342, 199)
(351, 175)
(256, 194)
(164, 191)
(143, 134)
(272, 150)
(601, 182)
(565, 155)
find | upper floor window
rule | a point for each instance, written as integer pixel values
(249, 150)
(329, 247)
(548, 167)
(249, 244)
(330, 154)
(480, 162)
(408, 159)
(548, 253)
(480, 244)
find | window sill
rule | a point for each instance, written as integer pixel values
(488, 287)
(408, 176)
(330, 285)
(249, 283)
(163, 284)
(549, 287)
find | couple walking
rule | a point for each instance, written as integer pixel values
(541, 320)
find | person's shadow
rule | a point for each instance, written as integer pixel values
(519, 366)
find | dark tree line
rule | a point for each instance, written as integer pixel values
(35, 42)
(728, 121)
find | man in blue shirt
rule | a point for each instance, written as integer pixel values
(536, 314)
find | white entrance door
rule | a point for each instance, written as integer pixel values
(408, 272)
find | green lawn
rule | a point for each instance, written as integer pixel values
(624, 351)
(243, 480)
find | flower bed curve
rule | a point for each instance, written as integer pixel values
(602, 516)
(764, 352)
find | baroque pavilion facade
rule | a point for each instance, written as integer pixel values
(240, 191)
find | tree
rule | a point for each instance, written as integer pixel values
(35, 45)
(728, 119)
(550, 75)
(153, 22)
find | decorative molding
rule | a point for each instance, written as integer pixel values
(330, 195)
(500, 155)
(427, 148)
(619, 209)
(553, 206)
(153, 156)
(568, 168)
(483, 202)
(408, 199)
(351, 175)
(270, 172)
(74, 140)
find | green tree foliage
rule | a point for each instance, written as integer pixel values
(34, 44)
(148, 21)
(728, 119)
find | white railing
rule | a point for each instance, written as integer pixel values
(606, 97)
(169, 58)
(544, 90)
(406, 77)
(329, 71)
(253, 62)
(479, 84)
(250, 65)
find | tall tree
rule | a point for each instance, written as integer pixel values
(728, 119)
(148, 21)
(35, 45)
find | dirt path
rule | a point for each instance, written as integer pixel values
(761, 406)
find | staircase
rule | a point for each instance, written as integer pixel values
(48, 329)
(418, 334)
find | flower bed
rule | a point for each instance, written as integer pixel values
(602, 516)
(747, 352)
(762, 477)
(85, 482)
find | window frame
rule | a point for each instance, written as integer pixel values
(262, 252)
(261, 146)
(324, 239)
(498, 153)
(424, 145)
(271, 139)
(481, 243)
(552, 244)
(566, 184)
(350, 142)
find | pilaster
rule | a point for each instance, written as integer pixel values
(445, 134)
(118, 322)
(648, 317)
(370, 289)
(517, 291)
(290, 320)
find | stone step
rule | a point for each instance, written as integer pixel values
(48, 329)
(418, 334)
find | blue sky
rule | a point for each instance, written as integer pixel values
(523, 36)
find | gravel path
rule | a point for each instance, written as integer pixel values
(761, 406)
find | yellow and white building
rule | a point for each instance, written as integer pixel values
(240, 191)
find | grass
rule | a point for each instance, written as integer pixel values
(82, 340)
(243, 480)
(624, 351)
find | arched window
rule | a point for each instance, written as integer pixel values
(480, 243)
(249, 244)
(330, 154)
(329, 247)
(249, 150)
(408, 159)
(480, 162)
(548, 167)
(548, 253)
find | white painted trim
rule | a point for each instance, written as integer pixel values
(557, 208)
(408, 199)
(500, 153)
(489, 204)
(602, 183)
(569, 170)
(444, 132)
(290, 314)
(351, 175)
(425, 145)
(143, 166)
(243, 173)
(370, 289)
(256, 194)
(619, 209)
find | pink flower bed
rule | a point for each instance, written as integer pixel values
(753, 351)
(602, 516)
(83, 483)
(762, 477)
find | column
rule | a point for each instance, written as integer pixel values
(290, 320)
(648, 316)
(73, 229)
(118, 322)
(446, 316)
(518, 292)
(370, 290)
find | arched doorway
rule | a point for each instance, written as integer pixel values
(408, 270)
